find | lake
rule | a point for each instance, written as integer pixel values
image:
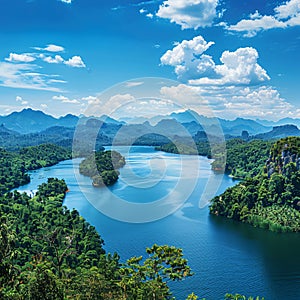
(160, 198)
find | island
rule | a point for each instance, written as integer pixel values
(102, 167)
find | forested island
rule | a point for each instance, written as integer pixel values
(102, 167)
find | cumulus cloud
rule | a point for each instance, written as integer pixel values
(65, 99)
(188, 59)
(285, 15)
(230, 102)
(75, 62)
(25, 57)
(189, 13)
(263, 102)
(239, 67)
(66, 1)
(191, 64)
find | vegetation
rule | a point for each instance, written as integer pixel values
(271, 199)
(49, 252)
(241, 158)
(246, 159)
(14, 165)
(102, 167)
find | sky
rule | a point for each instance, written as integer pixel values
(224, 58)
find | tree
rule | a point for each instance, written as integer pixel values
(148, 280)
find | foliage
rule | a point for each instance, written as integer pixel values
(245, 159)
(49, 252)
(14, 165)
(270, 200)
(240, 159)
(102, 167)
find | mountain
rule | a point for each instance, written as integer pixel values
(229, 127)
(279, 132)
(284, 121)
(6, 132)
(68, 121)
(28, 120)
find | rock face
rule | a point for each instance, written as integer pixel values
(283, 153)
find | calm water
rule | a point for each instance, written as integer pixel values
(225, 256)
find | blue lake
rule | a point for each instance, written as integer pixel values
(160, 198)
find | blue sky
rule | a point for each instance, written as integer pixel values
(227, 58)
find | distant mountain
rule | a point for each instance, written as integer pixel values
(279, 132)
(33, 121)
(27, 121)
(284, 121)
(229, 127)
(30, 121)
(68, 121)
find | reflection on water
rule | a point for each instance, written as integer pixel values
(226, 256)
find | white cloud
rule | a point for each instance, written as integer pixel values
(57, 81)
(64, 99)
(230, 102)
(142, 11)
(66, 1)
(130, 84)
(191, 64)
(188, 59)
(90, 99)
(285, 15)
(20, 99)
(239, 67)
(57, 59)
(150, 16)
(255, 24)
(24, 76)
(25, 57)
(44, 106)
(51, 48)
(263, 102)
(75, 62)
(288, 10)
(189, 13)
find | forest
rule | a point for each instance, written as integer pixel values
(102, 167)
(15, 165)
(271, 198)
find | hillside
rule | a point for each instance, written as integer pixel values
(271, 199)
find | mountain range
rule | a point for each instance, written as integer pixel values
(29, 127)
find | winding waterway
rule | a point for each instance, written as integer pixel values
(224, 255)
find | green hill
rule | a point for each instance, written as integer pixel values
(270, 199)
